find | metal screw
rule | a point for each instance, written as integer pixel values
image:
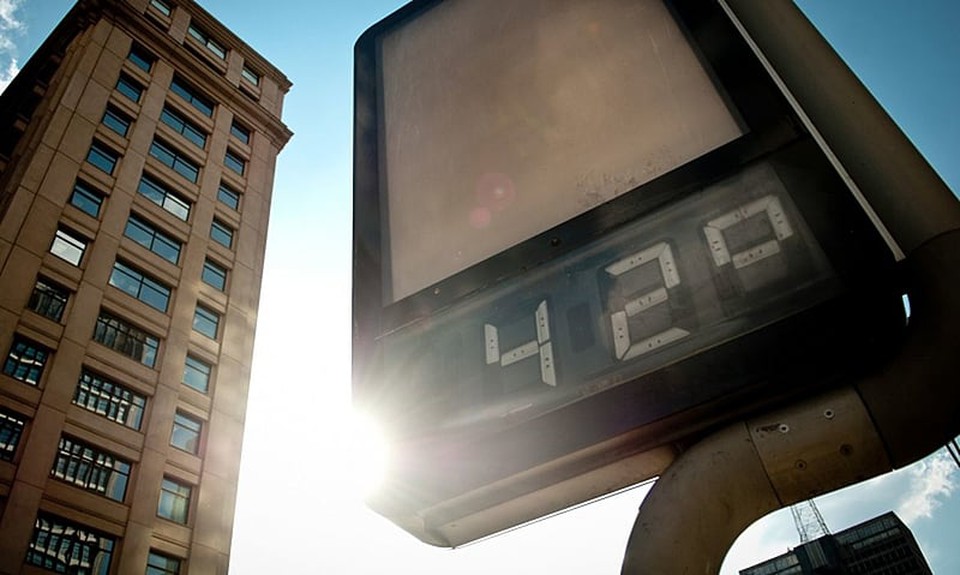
(800, 464)
(784, 428)
(828, 413)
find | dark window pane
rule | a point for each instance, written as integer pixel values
(140, 286)
(196, 374)
(25, 361)
(48, 299)
(158, 564)
(103, 157)
(250, 76)
(234, 162)
(183, 126)
(214, 275)
(110, 400)
(206, 322)
(86, 199)
(221, 233)
(228, 197)
(129, 88)
(175, 160)
(116, 121)
(154, 240)
(164, 198)
(11, 430)
(174, 503)
(65, 547)
(162, 6)
(140, 58)
(126, 339)
(186, 433)
(240, 133)
(91, 469)
(192, 96)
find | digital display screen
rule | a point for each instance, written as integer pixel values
(720, 263)
(502, 119)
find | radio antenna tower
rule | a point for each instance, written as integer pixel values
(809, 522)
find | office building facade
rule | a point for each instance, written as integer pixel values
(883, 545)
(137, 156)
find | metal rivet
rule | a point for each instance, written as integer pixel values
(784, 428)
(800, 464)
(828, 413)
(436, 291)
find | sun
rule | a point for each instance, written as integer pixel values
(365, 455)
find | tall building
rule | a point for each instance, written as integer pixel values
(137, 155)
(883, 545)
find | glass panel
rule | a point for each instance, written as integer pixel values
(250, 76)
(221, 234)
(206, 322)
(228, 197)
(68, 248)
(214, 275)
(234, 162)
(86, 199)
(533, 114)
(116, 121)
(103, 158)
(196, 374)
(140, 58)
(240, 133)
(48, 300)
(129, 88)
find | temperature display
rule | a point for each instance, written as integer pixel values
(717, 264)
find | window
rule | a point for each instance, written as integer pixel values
(162, 6)
(116, 121)
(86, 199)
(214, 275)
(109, 399)
(206, 322)
(124, 338)
(48, 299)
(239, 132)
(129, 88)
(158, 564)
(186, 433)
(221, 233)
(154, 240)
(250, 76)
(196, 374)
(228, 197)
(141, 58)
(175, 160)
(183, 126)
(234, 162)
(26, 360)
(11, 430)
(201, 36)
(160, 195)
(192, 96)
(68, 247)
(92, 469)
(65, 547)
(174, 501)
(141, 286)
(103, 157)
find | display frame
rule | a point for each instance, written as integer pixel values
(863, 262)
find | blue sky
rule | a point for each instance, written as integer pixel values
(305, 517)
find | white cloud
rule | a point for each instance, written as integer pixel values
(10, 28)
(7, 74)
(934, 479)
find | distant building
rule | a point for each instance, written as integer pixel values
(881, 546)
(137, 155)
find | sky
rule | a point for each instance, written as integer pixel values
(299, 508)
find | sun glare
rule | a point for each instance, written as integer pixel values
(366, 455)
